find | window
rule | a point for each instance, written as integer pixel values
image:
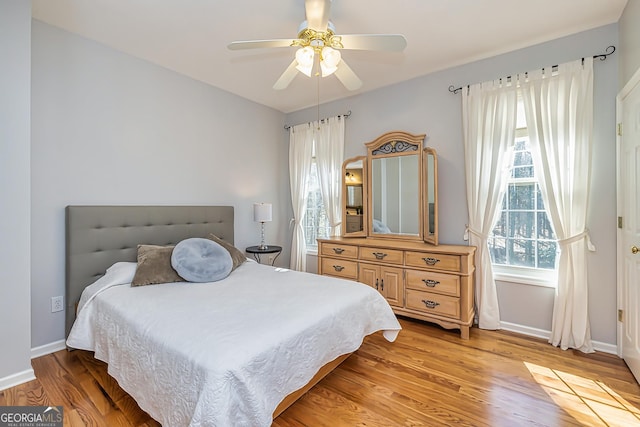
(522, 244)
(316, 222)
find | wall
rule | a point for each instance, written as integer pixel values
(629, 41)
(15, 39)
(108, 128)
(424, 105)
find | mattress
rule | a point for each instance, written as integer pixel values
(224, 353)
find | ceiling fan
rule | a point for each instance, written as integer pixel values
(319, 47)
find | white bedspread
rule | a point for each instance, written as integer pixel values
(224, 353)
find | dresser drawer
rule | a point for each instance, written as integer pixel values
(431, 303)
(340, 268)
(441, 283)
(432, 260)
(337, 250)
(390, 256)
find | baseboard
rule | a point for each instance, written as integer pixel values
(541, 333)
(17, 379)
(43, 350)
(605, 347)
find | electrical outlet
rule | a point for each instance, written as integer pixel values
(57, 304)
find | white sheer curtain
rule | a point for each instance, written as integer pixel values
(329, 157)
(559, 112)
(300, 152)
(489, 120)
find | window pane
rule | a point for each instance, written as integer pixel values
(522, 158)
(539, 200)
(522, 144)
(500, 228)
(521, 196)
(547, 254)
(497, 247)
(521, 252)
(545, 231)
(316, 223)
(521, 224)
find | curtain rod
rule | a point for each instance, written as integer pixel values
(602, 57)
(345, 115)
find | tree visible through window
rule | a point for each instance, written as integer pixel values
(523, 236)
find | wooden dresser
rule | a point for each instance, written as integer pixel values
(419, 280)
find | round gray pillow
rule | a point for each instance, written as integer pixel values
(201, 260)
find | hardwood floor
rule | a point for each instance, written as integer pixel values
(428, 377)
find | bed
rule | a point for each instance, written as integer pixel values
(234, 352)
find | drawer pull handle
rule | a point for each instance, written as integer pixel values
(379, 255)
(338, 250)
(377, 288)
(430, 304)
(431, 261)
(431, 283)
(382, 284)
(338, 267)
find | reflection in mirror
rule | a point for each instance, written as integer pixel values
(354, 194)
(431, 196)
(395, 195)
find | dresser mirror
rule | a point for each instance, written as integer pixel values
(396, 186)
(430, 161)
(354, 191)
(393, 191)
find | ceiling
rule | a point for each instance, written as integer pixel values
(190, 36)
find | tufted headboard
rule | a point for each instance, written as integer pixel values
(99, 236)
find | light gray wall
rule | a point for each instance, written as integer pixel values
(15, 71)
(108, 128)
(629, 41)
(424, 105)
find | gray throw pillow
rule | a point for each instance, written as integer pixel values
(201, 260)
(236, 255)
(154, 266)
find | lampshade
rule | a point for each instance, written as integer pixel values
(262, 212)
(304, 57)
(330, 60)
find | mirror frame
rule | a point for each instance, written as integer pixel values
(430, 238)
(388, 142)
(365, 197)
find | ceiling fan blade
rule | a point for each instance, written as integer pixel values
(258, 44)
(317, 13)
(345, 74)
(388, 42)
(287, 76)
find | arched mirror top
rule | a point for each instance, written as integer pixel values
(396, 143)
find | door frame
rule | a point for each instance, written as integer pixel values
(633, 82)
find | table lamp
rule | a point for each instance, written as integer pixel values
(262, 214)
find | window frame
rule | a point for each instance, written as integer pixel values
(312, 249)
(521, 274)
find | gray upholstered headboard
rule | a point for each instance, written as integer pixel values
(99, 236)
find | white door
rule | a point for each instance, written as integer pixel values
(629, 233)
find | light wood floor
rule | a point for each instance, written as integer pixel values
(428, 377)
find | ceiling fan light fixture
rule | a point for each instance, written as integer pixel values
(304, 57)
(330, 60)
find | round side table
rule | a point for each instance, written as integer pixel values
(270, 249)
